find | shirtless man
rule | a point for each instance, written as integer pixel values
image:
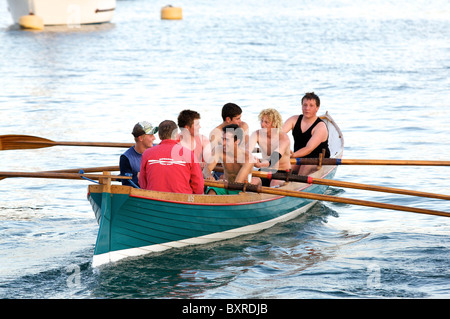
(274, 145)
(309, 131)
(190, 137)
(237, 162)
(231, 114)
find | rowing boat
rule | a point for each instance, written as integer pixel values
(134, 222)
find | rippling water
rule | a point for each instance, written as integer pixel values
(382, 71)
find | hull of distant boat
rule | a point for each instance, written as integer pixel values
(64, 12)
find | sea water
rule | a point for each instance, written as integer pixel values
(381, 69)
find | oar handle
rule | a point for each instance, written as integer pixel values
(339, 161)
(286, 176)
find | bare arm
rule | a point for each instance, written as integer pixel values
(215, 137)
(206, 150)
(245, 128)
(246, 169)
(289, 124)
(210, 165)
(253, 139)
(285, 144)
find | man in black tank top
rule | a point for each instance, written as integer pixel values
(301, 139)
(309, 131)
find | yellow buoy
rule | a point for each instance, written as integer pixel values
(171, 13)
(31, 21)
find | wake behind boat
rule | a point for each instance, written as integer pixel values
(64, 12)
(134, 222)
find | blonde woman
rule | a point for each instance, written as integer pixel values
(274, 144)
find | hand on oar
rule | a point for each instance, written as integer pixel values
(321, 197)
(19, 142)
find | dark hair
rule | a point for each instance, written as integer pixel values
(187, 117)
(166, 129)
(311, 96)
(237, 131)
(138, 130)
(230, 110)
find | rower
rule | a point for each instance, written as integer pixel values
(237, 161)
(274, 145)
(190, 137)
(309, 131)
(130, 161)
(170, 167)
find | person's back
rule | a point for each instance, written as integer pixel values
(170, 167)
(190, 137)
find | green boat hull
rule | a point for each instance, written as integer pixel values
(132, 225)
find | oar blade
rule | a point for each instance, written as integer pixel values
(20, 142)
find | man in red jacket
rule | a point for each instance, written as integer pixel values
(170, 167)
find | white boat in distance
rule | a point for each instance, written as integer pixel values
(64, 12)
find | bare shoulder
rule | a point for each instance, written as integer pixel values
(244, 126)
(217, 131)
(290, 123)
(283, 136)
(322, 126)
(285, 142)
(292, 118)
(320, 129)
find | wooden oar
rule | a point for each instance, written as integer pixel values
(77, 170)
(338, 161)
(21, 142)
(322, 197)
(16, 142)
(59, 175)
(329, 182)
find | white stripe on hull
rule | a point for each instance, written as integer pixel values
(115, 256)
